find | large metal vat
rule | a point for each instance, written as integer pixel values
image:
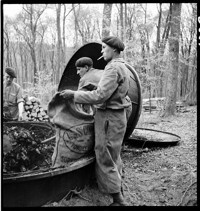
(38, 188)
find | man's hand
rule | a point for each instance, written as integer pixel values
(20, 118)
(67, 94)
(21, 108)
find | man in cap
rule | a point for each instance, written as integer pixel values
(89, 76)
(12, 97)
(110, 118)
(89, 79)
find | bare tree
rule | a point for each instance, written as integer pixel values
(41, 54)
(158, 27)
(85, 24)
(171, 92)
(161, 41)
(122, 21)
(8, 60)
(59, 42)
(189, 57)
(188, 34)
(28, 28)
(7, 42)
(65, 15)
(63, 36)
(76, 24)
(165, 34)
(106, 22)
(130, 14)
(23, 52)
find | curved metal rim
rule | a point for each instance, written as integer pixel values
(32, 123)
(51, 172)
(139, 108)
(161, 132)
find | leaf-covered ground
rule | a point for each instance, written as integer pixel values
(154, 176)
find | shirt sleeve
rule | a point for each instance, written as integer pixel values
(19, 96)
(107, 85)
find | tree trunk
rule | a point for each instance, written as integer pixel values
(7, 45)
(25, 79)
(118, 27)
(158, 28)
(106, 22)
(186, 47)
(125, 32)
(160, 47)
(76, 28)
(184, 79)
(21, 61)
(170, 104)
(166, 31)
(64, 44)
(122, 21)
(15, 58)
(33, 27)
(33, 56)
(125, 18)
(52, 65)
(59, 43)
(191, 97)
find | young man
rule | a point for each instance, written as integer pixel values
(110, 118)
(12, 97)
(89, 79)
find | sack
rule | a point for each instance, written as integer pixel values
(72, 144)
(74, 131)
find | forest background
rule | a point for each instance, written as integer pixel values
(160, 40)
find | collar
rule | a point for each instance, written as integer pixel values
(116, 60)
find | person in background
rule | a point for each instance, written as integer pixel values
(13, 102)
(89, 79)
(88, 74)
(110, 118)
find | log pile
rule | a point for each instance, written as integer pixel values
(34, 111)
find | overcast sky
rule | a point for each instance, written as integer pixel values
(11, 10)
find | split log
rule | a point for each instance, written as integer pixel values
(33, 110)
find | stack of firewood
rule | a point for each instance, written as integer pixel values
(34, 111)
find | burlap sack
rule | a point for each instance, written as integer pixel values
(74, 131)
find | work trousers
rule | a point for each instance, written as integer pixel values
(110, 128)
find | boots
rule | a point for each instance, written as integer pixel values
(118, 200)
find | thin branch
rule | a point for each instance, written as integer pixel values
(71, 10)
(186, 192)
(118, 8)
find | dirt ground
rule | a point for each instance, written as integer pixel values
(161, 176)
